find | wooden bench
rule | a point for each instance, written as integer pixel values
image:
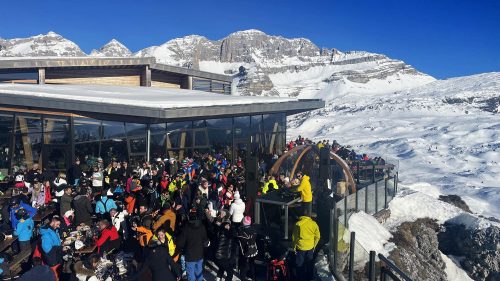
(7, 243)
(17, 261)
(40, 216)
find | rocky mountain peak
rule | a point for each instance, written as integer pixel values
(50, 44)
(112, 49)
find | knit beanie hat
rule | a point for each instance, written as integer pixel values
(247, 221)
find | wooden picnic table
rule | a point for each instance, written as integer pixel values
(40, 216)
(7, 194)
(87, 250)
(5, 244)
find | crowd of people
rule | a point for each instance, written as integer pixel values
(173, 215)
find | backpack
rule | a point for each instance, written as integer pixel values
(248, 245)
(277, 270)
(104, 204)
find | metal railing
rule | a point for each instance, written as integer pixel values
(346, 255)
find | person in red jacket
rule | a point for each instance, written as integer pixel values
(109, 239)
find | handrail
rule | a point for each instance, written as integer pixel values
(392, 267)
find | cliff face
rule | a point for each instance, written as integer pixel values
(273, 65)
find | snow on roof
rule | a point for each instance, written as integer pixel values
(134, 96)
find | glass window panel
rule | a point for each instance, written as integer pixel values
(256, 124)
(56, 137)
(27, 150)
(217, 87)
(6, 123)
(201, 137)
(158, 146)
(55, 158)
(272, 122)
(138, 145)
(201, 85)
(227, 89)
(87, 152)
(86, 129)
(26, 77)
(158, 128)
(221, 140)
(242, 122)
(4, 152)
(199, 124)
(241, 126)
(179, 139)
(51, 124)
(179, 125)
(114, 149)
(223, 123)
(113, 130)
(136, 129)
(28, 124)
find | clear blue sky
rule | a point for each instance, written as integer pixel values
(443, 38)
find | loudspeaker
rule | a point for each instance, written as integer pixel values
(324, 164)
(252, 176)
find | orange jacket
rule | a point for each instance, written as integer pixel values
(143, 235)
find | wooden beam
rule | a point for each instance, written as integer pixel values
(41, 76)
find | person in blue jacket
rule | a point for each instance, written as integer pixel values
(51, 244)
(15, 205)
(24, 229)
(105, 204)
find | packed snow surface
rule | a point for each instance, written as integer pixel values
(445, 134)
(133, 96)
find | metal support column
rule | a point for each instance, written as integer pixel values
(345, 211)
(148, 144)
(376, 196)
(286, 222)
(335, 239)
(385, 193)
(351, 256)
(371, 267)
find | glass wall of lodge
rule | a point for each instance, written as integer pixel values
(45, 139)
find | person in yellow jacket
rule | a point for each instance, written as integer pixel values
(162, 237)
(305, 192)
(271, 183)
(305, 237)
(177, 183)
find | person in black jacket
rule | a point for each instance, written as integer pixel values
(248, 249)
(226, 251)
(74, 173)
(191, 242)
(83, 208)
(159, 261)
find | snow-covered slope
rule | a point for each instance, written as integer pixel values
(112, 49)
(445, 133)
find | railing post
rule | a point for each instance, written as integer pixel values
(396, 183)
(345, 211)
(351, 256)
(356, 198)
(357, 172)
(385, 194)
(373, 176)
(366, 199)
(371, 267)
(335, 238)
(376, 196)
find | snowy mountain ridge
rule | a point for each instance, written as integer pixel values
(258, 61)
